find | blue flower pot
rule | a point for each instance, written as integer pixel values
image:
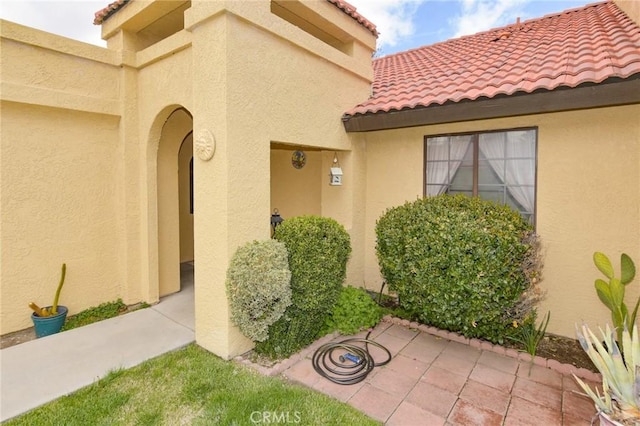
(49, 325)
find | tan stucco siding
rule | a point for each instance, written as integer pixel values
(163, 83)
(44, 69)
(295, 192)
(295, 101)
(631, 8)
(59, 176)
(59, 192)
(587, 197)
(588, 200)
(279, 90)
(48, 69)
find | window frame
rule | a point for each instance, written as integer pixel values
(476, 153)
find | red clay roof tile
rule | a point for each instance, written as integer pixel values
(351, 11)
(564, 50)
(104, 14)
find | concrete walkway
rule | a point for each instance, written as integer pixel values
(39, 371)
(431, 380)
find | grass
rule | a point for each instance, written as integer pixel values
(98, 313)
(192, 386)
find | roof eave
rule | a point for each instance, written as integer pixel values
(611, 92)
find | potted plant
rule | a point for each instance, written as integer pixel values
(49, 320)
(619, 403)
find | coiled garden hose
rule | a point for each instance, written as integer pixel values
(352, 366)
(347, 368)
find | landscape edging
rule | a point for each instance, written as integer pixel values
(564, 369)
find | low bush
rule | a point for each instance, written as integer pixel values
(258, 287)
(318, 252)
(355, 311)
(461, 264)
(94, 314)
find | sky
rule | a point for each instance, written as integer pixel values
(402, 24)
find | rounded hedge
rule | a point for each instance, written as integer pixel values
(461, 264)
(318, 248)
(258, 287)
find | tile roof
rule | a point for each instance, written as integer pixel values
(104, 14)
(351, 11)
(564, 50)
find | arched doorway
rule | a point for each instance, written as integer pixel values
(175, 202)
(186, 210)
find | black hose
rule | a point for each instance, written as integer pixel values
(360, 362)
(347, 368)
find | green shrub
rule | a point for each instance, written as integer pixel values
(461, 264)
(94, 314)
(318, 252)
(258, 287)
(355, 311)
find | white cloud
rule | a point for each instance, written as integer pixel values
(481, 15)
(73, 19)
(393, 18)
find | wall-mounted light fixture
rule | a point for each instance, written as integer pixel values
(276, 220)
(335, 177)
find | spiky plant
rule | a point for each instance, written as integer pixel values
(612, 293)
(47, 312)
(620, 398)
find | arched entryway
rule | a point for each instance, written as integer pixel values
(175, 202)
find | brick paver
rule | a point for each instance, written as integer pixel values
(485, 397)
(465, 413)
(435, 381)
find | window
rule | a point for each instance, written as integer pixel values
(498, 166)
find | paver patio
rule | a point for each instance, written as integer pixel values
(432, 380)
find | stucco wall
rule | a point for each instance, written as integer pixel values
(631, 8)
(59, 186)
(80, 157)
(587, 198)
(295, 192)
(41, 68)
(58, 205)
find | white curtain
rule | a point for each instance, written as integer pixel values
(511, 155)
(444, 156)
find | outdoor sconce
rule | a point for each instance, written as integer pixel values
(335, 177)
(275, 221)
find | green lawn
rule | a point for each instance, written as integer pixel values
(193, 387)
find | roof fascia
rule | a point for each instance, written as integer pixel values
(608, 93)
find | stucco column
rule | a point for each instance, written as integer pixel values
(137, 284)
(224, 194)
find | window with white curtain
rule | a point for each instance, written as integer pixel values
(496, 165)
